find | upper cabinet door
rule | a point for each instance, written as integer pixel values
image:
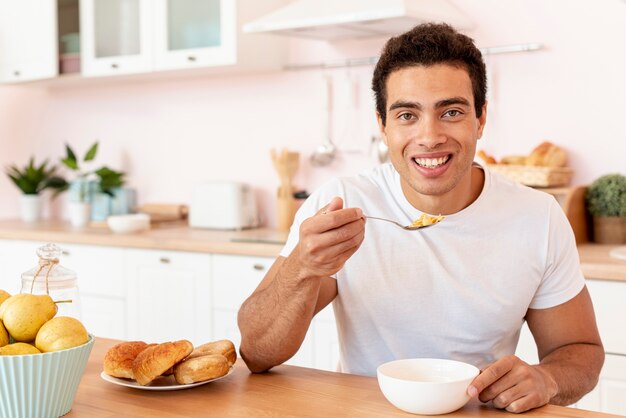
(28, 40)
(116, 36)
(195, 33)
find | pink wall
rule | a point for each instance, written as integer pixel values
(172, 131)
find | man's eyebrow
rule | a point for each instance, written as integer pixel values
(406, 104)
(453, 101)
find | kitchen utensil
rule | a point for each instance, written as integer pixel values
(426, 386)
(326, 152)
(407, 227)
(380, 149)
(286, 164)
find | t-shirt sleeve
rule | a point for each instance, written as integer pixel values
(562, 278)
(317, 200)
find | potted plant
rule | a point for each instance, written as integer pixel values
(32, 180)
(606, 202)
(89, 186)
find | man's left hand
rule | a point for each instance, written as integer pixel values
(514, 385)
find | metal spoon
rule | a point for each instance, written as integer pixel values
(325, 153)
(407, 227)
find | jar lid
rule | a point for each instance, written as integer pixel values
(49, 267)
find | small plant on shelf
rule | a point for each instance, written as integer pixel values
(606, 202)
(33, 179)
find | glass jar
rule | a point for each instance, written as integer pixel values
(49, 277)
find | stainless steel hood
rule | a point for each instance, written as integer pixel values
(337, 19)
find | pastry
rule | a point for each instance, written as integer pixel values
(488, 159)
(199, 369)
(547, 154)
(513, 160)
(156, 360)
(118, 361)
(223, 347)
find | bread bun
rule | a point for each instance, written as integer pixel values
(223, 347)
(488, 159)
(513, 159)
(118, 361)
(547, 154)
(156, 360)
(199, 369)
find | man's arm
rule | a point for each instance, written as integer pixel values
(571, 356)
(274, 320)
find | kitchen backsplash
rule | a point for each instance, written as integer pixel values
(170, 133)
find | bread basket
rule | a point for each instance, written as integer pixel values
(42, 385)
(535, 176)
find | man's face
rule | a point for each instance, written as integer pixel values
(431, 130)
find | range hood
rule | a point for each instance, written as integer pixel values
(337, 19)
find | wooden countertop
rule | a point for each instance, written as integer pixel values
(287, 391)
(176, 237)
(594, 258)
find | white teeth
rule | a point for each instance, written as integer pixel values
(431, 162)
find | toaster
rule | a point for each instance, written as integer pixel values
(223, 205)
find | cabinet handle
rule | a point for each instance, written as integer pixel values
(258, 267)
(114, 65)
(65, 252)
(191, 58)
(164, 260)
(16, 73)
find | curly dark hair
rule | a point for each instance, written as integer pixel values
(429, 44)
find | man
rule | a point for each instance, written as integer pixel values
(461, 289)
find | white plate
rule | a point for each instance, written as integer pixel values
(160, 383)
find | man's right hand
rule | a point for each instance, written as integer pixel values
(329, 238)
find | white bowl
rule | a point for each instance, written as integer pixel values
(124, 224)
(426, 386)
(42, 385)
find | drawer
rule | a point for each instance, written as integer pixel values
(236, 277)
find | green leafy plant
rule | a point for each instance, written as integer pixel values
(33, 179)
(606, 196)
(107, 178)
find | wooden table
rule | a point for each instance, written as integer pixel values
(287, 391)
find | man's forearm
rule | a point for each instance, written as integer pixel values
(274, 321)
(575, 369)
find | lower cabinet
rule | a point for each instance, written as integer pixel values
(169, 296)
(610, 393)
(234, 279)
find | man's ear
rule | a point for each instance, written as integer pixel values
(482, 120)
(381, 128)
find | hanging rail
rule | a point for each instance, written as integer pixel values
(359, 62)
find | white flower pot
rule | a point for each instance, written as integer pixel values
(80, 213)
(30, 207)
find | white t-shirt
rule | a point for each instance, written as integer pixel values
(458, 290)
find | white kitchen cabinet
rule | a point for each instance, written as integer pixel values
(234, 279)
(28, 40)
(610, 394)
(116, 36)
(102, 287)
(16, 257)
(195, 33)
(608, 302)
(326, 341)
(137, 36)
(169, 296)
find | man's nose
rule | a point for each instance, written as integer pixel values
(430, 133)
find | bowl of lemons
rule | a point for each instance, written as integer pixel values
(42, 357)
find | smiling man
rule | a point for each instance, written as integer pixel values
(462, 289)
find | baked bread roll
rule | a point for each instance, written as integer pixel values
(488, 159)
(223, 347)
(514, 159)
(547, 154)
(199, 369)
(118, 361)
(156, 360)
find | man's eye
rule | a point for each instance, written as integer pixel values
(452, 113)
(406, 116)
